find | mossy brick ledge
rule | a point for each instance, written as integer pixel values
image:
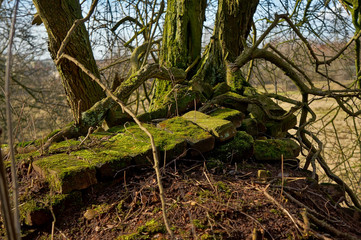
(132, 140)
(221, 129)
(273, 149)
(198, 140)
(70, 144)
(130, 146)
(65, 172)
(235, 116)
(36, 211)
(239, 148)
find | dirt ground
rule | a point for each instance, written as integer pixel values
(212, 200)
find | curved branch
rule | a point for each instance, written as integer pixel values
(123, 20)
(93, 116)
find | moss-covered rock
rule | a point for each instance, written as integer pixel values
(198, 140)
(63, 146)
(131, 141)
(221, 129)
(66, 173)
(273, 149)
(232, 115)
(36, 211)
(239, 148)
(146, 231)
(129, 146)
(253, 127)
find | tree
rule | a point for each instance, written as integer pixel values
(58, 17)
(229, 50)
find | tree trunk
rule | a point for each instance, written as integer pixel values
(233, 24)
(182, 36)
(58, 17)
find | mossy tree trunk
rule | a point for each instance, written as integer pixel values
(233, 24)
(58, 17)
(182, 36)
(182, 42)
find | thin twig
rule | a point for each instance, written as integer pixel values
(136, 120)
(281, 207)
(74, 26)
(10, 127)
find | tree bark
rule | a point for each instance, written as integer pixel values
(58, 17)
(233, 24)
(182, 39)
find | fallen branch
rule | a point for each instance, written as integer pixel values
(93, 116)
(281, 207)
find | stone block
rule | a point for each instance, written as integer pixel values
(66, 173)
(198, 140)
(272, 149)
(221, 129)
(235, 116)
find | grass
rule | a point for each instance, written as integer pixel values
(339, 134)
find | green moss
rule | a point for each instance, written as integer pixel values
(240, 147)
(25, 156)
(42, 203)
(225, 113)
(214, 163)
(214, 125)
(132, 236)
(204, 195)
(30, 206)
(64, 145)
(152, 227)
(149, 229)
(63, 170)
(132, 140)
(221, 88)
(184, 129)
(273, 149)
(199, 224)
(24, 144)
(63, 164)
(222, 187)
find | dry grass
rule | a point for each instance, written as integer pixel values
(339, 133)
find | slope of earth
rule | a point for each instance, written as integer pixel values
(231, 171)
(204, 201)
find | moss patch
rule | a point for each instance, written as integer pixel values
(36, 211)
(273, 149)
(197, 138)
(66, 172)
(146, 231)
(132, 141)
(221, 129)
(232, 115)
(239, 148)
(64, 145)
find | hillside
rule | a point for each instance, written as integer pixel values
(230, 171)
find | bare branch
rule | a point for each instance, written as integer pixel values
(73, 27)
(154, 148)
(16, 223)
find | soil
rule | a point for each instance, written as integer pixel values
(204, 201)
